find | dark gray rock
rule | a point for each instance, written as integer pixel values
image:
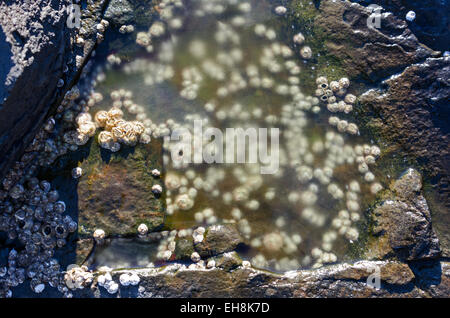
(218, 239)
(36, 50)
(431, 23)
(343, 280)
(366, 52)
(32, 44)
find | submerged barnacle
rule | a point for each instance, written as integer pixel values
(299, 38)
(273, 241)
(306, 52)
(157, 189)
(280, 10)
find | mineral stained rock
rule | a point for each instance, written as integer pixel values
(115, 192)
(404, 221)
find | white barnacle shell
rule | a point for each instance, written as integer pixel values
(306, 52)
(299, 38)
(334, 86)
(101, 117)
(195, 257)
(142, 229)
(350, 99)
(280, 10)
(411, 16)
(156, 173)
(77, 172)
(344, 82)
(99, 235)
(157, 189)
(105, 139)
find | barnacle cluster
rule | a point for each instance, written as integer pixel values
(77, 277)
(329, 93)
(34, 215)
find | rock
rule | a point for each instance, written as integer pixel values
(434, 278)
(390, 272)
(404, 220)
(35, 40)
(115, 192)
(412, 115)
(408, 185)
(120, 12)
(228, 261)
(218, 239)
(343, 280)
(75, 251)
(184, 249)
(27, 53)
(431, 23)
(369, 53)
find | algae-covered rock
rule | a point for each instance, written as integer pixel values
(114, 194)
(184, 249)
(219, 239)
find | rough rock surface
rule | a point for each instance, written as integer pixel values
(413, 114)
(184, 249)
(136, 12)
(369, 53)
(219, 239)
(344, 280)
(404, 221)
(115, 194)
(431, 23)
(35, 40)
(32, 43)
(120, 12)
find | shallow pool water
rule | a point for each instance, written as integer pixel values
(227, 64)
